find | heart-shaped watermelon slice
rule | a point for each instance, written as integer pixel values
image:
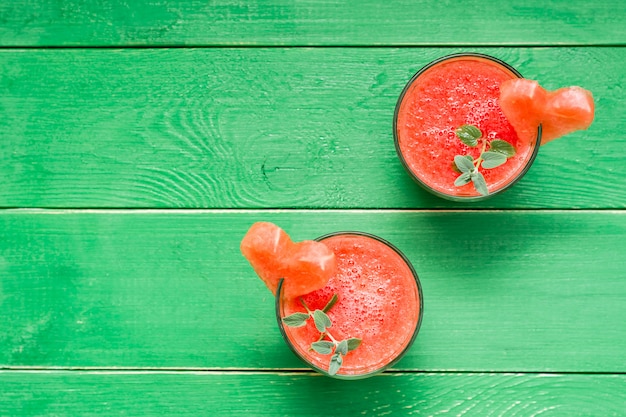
(264, 246)
(305, 266)
(526, 105)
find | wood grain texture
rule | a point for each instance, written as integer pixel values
(278, 22)
(288, 394)
(504, 291)
(258, 128)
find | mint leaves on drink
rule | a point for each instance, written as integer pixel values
(493, 153)
(326, 344)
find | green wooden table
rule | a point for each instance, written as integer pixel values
(141, 139)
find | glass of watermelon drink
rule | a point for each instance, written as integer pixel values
(375, 300)
(448, 112)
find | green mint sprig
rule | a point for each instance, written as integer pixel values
(338, 349)
(493, 153)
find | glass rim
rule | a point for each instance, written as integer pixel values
(396, 139)
(400, 355)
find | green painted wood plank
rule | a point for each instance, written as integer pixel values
(223, 128)
(504, 291)
(279, 22)
(250, 394)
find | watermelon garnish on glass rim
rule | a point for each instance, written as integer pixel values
(526, 105)
(305, 266)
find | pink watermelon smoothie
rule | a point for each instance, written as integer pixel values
(450, 92)
(380, 302)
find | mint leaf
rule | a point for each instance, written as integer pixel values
(469, 135)
(463, 179)
(468, 157)
(296, 319)
(322, 321)
(342, 347)
(492, 159)
(353, 343)
(324, 347)
(503, 147)
(335, 363)
(479, 183)
(330, 303)
(464, 164)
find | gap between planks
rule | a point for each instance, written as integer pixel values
(130, 211)
(334, 46)
(263, 371)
